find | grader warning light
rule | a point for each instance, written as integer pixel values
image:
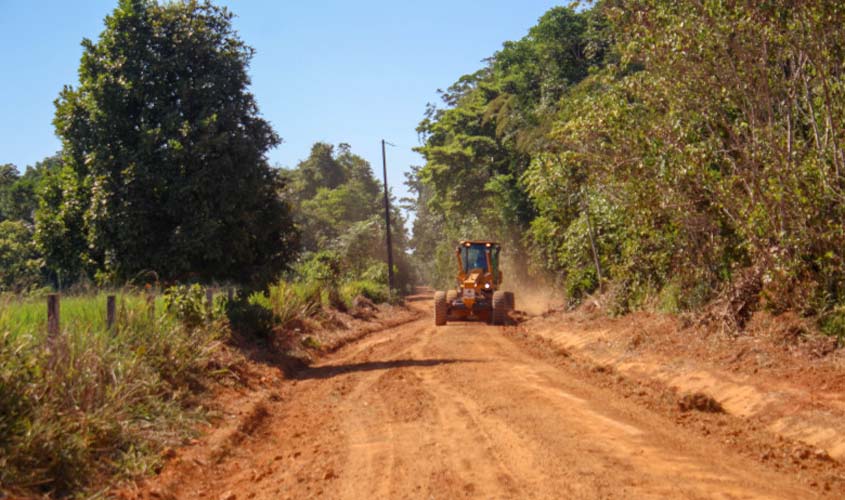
(476, 295)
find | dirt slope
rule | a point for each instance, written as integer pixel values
(470, 410)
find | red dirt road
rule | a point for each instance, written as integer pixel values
(461, 411)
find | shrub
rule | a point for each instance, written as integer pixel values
(188, 304)
(376, 292)
(251, 317)
(833, 324)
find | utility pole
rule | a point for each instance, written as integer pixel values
(387, 217)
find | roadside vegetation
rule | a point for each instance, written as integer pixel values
(90, 403)
(699, 145)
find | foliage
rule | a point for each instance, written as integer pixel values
(164, 155)
(697, 138)
(18, 193)
(479, 146)
(20, 267)
(339, 207)
(189, 304)
(283, 303)
(373, 290)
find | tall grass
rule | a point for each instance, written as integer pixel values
(293, 300)
(91, 403)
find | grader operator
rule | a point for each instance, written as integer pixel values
(477, 295)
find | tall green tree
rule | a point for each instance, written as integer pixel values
(8, 178)
(339, 206)
(165, 166)
(18, 193)
(20, 267)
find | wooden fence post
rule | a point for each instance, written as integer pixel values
(110, 312)
(151, 305)
(53, 311)
(231, 294)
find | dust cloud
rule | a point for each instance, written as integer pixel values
(536, 300)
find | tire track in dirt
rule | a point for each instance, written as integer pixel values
(371, 451)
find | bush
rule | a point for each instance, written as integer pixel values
(324, 266)
(251, 318)
(281, 304)
(833, 324)
(187, 303)
(376, 292)
(20, 267)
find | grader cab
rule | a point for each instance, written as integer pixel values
(477, 295)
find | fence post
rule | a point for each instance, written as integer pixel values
(110, 313)
(53, 312)
(151, 305)
(230, 294)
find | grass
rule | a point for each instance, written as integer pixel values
(376, 292)
(78, 313)
(92, 404)
(293, 300)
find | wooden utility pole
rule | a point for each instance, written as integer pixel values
(387, 217)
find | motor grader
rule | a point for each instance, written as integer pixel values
(476, 295)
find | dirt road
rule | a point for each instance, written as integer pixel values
(463, 411)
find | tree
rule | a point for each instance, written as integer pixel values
(20, 267)
(18, 193)
(8, 178)
(340, 209)
(479, 146)
(164, 159)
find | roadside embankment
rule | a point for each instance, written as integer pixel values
(777, 376)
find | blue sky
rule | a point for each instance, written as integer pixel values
(330, 71)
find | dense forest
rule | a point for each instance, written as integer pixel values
(673, 154)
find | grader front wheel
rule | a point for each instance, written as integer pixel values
(510, 300)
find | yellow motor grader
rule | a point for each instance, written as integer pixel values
(477, 295)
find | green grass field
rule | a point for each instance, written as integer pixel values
(85, 314)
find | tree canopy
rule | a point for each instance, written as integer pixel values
(339, 208)
(164, 163)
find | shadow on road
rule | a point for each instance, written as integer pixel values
(323, 372)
